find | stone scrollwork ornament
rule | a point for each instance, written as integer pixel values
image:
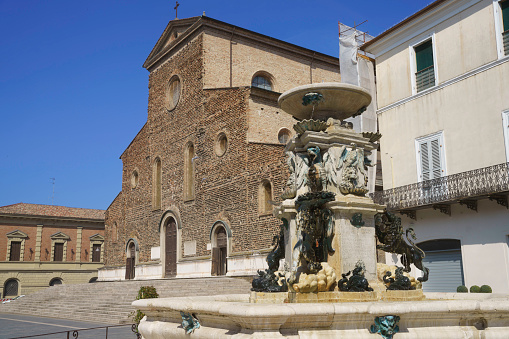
(386, 326)
(298, 166)
(347, 169)
(189, 322)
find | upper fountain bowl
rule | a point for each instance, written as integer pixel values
(331, 100)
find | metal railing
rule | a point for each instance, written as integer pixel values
(480, 182)
(505, 39)
(75, 333)
(425, 78)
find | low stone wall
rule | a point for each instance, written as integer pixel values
(230, 316)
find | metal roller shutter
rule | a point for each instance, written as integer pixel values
(445, 271)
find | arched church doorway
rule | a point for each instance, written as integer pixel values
(170, 245)
(219, 251)
(130, 261)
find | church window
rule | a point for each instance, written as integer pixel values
(262, 81)
(284, 135)
(189, 158)
(156, 184)
(221, 144)
(264, 197)
(134, 179)
(173, 93)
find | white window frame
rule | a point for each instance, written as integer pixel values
(498, 28)
(505, 126)
(413, 61)
(418, 141)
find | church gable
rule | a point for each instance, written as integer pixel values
(172, 32)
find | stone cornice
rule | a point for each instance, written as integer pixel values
(34, 220)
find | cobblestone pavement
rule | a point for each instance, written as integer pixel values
(14, 325)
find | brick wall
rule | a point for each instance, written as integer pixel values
(29, 242)
(226, 186)
(249, 57)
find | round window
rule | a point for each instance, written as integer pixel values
(284, 136)
(221, 144)
(134, 179)
(173, 93)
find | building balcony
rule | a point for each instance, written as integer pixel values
(464, 188)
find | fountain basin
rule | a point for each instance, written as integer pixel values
(232, 316)
(340, 101)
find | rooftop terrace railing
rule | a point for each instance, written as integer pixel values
(487, 181)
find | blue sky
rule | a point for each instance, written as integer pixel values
(73, 93)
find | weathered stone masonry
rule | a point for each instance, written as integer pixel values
(226, 187)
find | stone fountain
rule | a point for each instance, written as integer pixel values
(329, 228)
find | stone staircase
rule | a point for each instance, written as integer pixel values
(110, 302)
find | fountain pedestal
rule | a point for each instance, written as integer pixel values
(351, 243)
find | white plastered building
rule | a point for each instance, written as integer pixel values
(443, 111)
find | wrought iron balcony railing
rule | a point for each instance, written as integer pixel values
(425, 78)
(487, 181)
(505, 39)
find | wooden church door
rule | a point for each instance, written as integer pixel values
(170, 269)
(130, 261)
(219, 266)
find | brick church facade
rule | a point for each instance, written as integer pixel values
(198, 177)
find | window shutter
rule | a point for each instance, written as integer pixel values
(96, 253)
(430, 158)
(15, 251)
(425, 173)
(59, 252)
(504, 7)
(435, 159)
(424, 55)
